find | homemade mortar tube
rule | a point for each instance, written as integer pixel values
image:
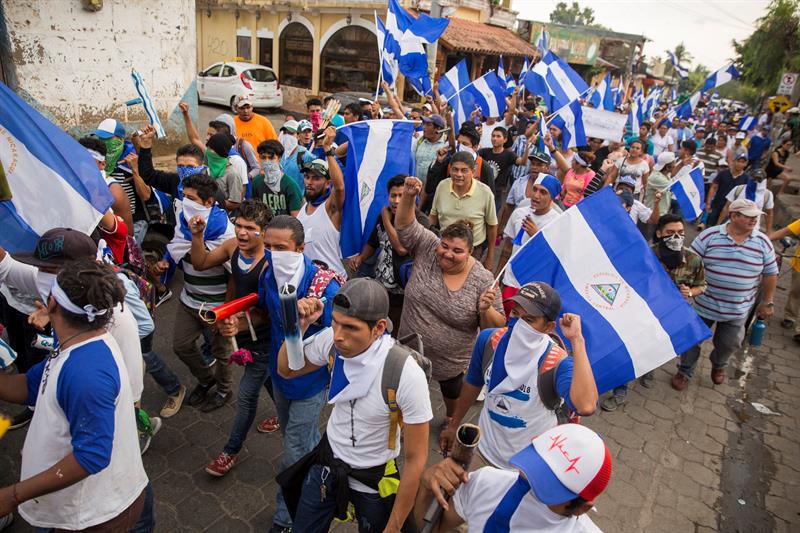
(228, 309)
(291, 327)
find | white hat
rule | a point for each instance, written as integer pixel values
(243, 99)
(110, 128)
(290, 126)
(664, 159)
(793, 110)
(746, 207)
(741, 135)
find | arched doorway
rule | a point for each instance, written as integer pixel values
(296, 52)
(350, 61)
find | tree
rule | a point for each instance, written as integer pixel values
(773, 48)
(682, 55)
(695, 80)
(572, 15)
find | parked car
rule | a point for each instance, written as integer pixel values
(222, 82)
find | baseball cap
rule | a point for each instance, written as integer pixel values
(427, 106)
(626, 197)
(290, 126)
(437, 120)
(746, 207)
(740, 155)
(320, 166)
(538, 299)
(57, 246)
(564, 463)
(793, 110)
(244, 99)
(110, 128)
(364, 299)
(627, 179)
(539, 156)
(664, 159)
(741, 135)
(304, 125)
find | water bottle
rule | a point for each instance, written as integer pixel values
(757, 333)
(7, 355)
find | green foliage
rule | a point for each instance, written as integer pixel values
(773, 48)
(695, 79)
(738, 90)
(572, 15)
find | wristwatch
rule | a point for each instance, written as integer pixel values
(769, 304)
(330, 153)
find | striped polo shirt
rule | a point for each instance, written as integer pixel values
(203, 286)
(733, 272)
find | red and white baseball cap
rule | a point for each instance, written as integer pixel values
(564, 463)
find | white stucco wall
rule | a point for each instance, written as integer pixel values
(75, 65)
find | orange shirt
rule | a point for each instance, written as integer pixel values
(255, 130)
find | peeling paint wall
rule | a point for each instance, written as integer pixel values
(75, 65)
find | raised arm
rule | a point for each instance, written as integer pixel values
(337, 179)
(202, 259)
(406, 209)
(393, 103)
(191, 131)
(583, 389)
(561, 163)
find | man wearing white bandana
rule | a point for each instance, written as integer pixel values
(353, 462)
(514, 410)
(201, 289)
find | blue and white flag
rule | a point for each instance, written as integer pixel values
(634, 319)
(651, 103)
(523, 72)
(560, 80)
(689, 190)
(455, 79)
(47, 179)
(410, 34)
(636, 114)
(720, 77)
(543, 44)
(569, 119)
(683, 72)
(673, 94)
(501, 72)
(686, 109)
(365, 176)
(542, 132)
(487, 93)
(510, 84)
(602, 97)
(389, 63)
(147, 103)
(748, 123)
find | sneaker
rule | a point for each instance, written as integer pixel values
(787, 323)
(679, 381)
(147, 436)
(173, 403)
(199, 393)
(221, 465)
(21, 419)
(718, 376)
(270, 425)
(612, 402)
(646, 381)
(6, 521)
(163, 297)
(214, 402)
(277, 528)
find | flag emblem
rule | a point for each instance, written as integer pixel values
(609, 290)
(365, 190)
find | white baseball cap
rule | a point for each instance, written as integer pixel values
(664, 159)
(244, 99)
(110, 128)
(746, 207)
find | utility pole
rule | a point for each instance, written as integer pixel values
(436, 12)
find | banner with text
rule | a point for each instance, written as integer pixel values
(605, 125)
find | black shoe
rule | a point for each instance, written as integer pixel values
(215, 401)
(164, 297)
(646, 380)
(787, 323)
(199, 393)
(21, 419)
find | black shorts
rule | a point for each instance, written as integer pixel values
(451, 388)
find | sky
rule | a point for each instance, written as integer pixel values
(706, 27)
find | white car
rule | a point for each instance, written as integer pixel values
(221, 83)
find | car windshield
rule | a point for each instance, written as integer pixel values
(260, 74)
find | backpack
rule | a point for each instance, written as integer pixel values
(408, 346)
(546, 380)
(147, 290)
(322, 278)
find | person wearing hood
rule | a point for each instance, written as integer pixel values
(117, 175)
(755, 190)
(685, 269)
(220, 168)
(277, 190)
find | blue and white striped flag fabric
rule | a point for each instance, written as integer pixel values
(523, 72)
(635, 114)
(651, 103)
(748, 122)
(510, 84)
(686, 109)
(147, 102)
(720, 77)
(569, 119)
(487, 93)
(543, 44)
(689, 190)
(47, 179)
(561, 80)
(634, 319)
(602, 97)
(501, 72)
(455, 79)
(683, 72)
(377, 150)
(542, 132)
(389, 64)
(673, 95)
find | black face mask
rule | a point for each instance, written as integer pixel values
(670, 258)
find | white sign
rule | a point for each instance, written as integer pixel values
(605, 125)
(787, 83)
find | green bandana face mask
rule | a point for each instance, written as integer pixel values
(114, 147)
(216, 164)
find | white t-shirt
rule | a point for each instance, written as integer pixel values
(478, 499)
(370, 414)
(637, 170)
(661, 144)
(764, 198)
(515, 224)
(640, 212)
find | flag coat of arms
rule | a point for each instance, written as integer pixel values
(633, 317)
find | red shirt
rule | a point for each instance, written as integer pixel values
(116, 239)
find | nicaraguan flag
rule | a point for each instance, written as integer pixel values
(454, 80)
(720, 77)
(636, 114)
(569, 120)
(689, 190)
(487, 92)
(561, 81)
(510, 84)
(673, 94)
(634, 318)
(748, 123)
(602, 97)
(501, 72)
(683, 72)
(524, 71)
(377, 150)
(389, 64)
(542, 132)
(543, 44)
(686, 109)
(651, 103)
(47, 179)
(147, 103)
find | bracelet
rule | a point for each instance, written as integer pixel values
(14, 497)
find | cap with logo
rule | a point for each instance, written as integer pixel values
(538, 155)
(364, 299)
(565, 462)
(243, 100)
(436, 120)
(741, 135)
(538, 299)
(110, 128)
(57, 246)
(627, 179)
(746, 207)
(290, 126)
(626, 197)
(664, 159)
(318, 166)
(304, 125)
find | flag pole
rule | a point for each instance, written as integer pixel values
(551, 116)
(380, 60)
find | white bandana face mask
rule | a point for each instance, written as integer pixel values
(192, 209)
(288, 267)
(674, 242)
(464, 148)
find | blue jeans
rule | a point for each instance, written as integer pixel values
(161, 373)
(139, 231)
(313, 515)
(147, 520)
(299, 420)
(727, 340)
(256, 375)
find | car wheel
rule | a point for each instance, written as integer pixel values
(233, 106)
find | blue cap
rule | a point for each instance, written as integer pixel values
(550, 183)
(110, 128)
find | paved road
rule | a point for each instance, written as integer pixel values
(700, 461)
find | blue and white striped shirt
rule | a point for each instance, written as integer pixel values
(733, 272)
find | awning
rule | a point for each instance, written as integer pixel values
(466, 36)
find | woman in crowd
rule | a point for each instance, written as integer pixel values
(776, 166)
(574, 177)
(635, 164)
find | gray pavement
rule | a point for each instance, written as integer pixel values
(698, 461)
